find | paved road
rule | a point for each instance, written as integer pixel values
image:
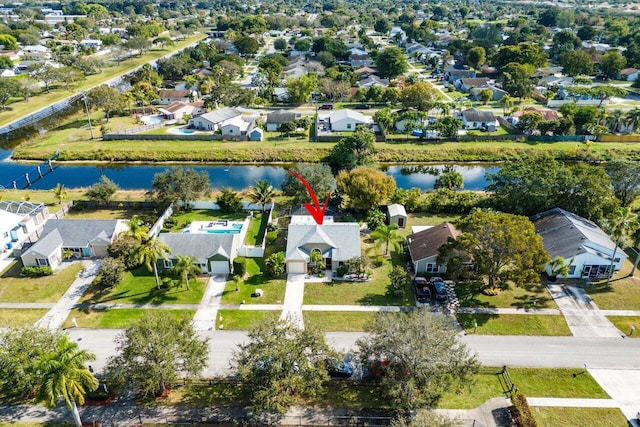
(544, 352)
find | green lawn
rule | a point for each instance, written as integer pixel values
(138, 287)
(243, 319)
(571, 417)
(273, 288)
(117, 318)
(19, 109)
(47, 197)
(374, 292)
(515, 324)
(257, 228)
(19, 318)
(622, 294)
(534, 382)
(624, 323)
(470, 295)
(339, 321)
(106, 213)
(14, 288)
(184, 218)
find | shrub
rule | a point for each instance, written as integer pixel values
(37, 271)
(229, 202)
(523, 414)
(271, 237)
(342, 270)
(378, 261)
(275, 264)
(110, 272)
(375, 218)
(240, 266)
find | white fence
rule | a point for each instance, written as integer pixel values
(247, 206)
(157, 227)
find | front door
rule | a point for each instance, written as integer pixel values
(401, 222)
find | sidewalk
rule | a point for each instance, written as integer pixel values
(55, 318)
(526, 310)
(205, 317)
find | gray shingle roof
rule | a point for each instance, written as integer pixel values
(566, 235)
(79, 232)
(201, 246)
(281, 117)
(221, 115)
(342, 237)
(473, 115)
(425, 243)
(47, 244)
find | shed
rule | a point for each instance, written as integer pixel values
(256, 134)
(396, 214)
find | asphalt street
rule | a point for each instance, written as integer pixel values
(544, 352)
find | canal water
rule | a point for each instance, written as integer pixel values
(236, 177)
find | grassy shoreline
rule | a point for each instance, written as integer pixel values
(295, 151)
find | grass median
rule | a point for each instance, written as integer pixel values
(117, 318)
(514, 324)
(571, 417)
(20, 318)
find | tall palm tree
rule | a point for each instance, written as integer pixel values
(386, 236)
(63, 373)
(506, 102)
(262, 193)
(137, 229)
(616, 120)
(621, 225)
(633, 119)
(59, 192)
(635, 238)
(150, 252)
(186, 266)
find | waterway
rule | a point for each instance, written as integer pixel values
(236, 177)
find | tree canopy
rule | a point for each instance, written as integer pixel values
(318, 176)
(625, 180)
(103, 191)
(503, 247)
(391, 62)
(179, 185)
(417, 357)
(280, 364)
(354, 151)
(156, 352)
(366, 188)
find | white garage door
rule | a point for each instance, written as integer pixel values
(220, 267)
(296, 267)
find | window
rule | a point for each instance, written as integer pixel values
(167, 263)
(42, 261)
(348, 125)
(432, 268)
(572, 269)
(616, 260)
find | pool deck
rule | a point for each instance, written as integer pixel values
(203, 227)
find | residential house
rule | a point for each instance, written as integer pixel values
(479, 119)
(85, 238)
(496, 93)
(214, 120)
(276, 118)
(167, 96)
(630, 74)
(364, 72)
(178, 109)
(396, 214)
(19, 220)
(373, 80)
(348, 120)
(336, 242)
(466, 84)
(453, 74)
(425, 244)
(280, 94)
(36, 53)
(91, 43)
(581, 243)
(237, 126)
(215, 252)
(546, 113)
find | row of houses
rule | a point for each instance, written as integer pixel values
(586, 248)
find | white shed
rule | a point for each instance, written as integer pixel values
(396, 214)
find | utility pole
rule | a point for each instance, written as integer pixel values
(86, 109)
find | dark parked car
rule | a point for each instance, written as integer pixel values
(421, 287)
(326, 107)
(363, 107)
(440, 290)
(339, 369)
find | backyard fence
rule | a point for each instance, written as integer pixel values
(170, 137)
(133, 131)
(157, 226)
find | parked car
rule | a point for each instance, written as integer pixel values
(363, 107)
(339, 369)
(421, 288)
(440, 290)
(326, 107)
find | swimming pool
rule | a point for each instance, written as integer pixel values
(218, 227)
(228, 231)
(151, 120)
(185, 131)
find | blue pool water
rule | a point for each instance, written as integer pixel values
(185, 131)
(227, 231)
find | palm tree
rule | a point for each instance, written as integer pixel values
(386, 235)
(506, 102)
(633, 119)
(63, 373)
(187, 266)
(59, 192)
(623, 223)
(137, 229)
(262, 193)
(148, 254)
(635, 237)
(616, 119)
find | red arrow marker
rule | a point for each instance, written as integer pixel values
(316, 211)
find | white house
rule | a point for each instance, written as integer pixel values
(424, 246)
(581, 243)
(167, 96)
(19, 220)
(214, 120)
(479, 119)
(630, 74)
(347, 120)
(276, 118)
(91, 43)
(237, 126)
(178, 109)
(214, 252)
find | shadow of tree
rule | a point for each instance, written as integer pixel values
(467, 293)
